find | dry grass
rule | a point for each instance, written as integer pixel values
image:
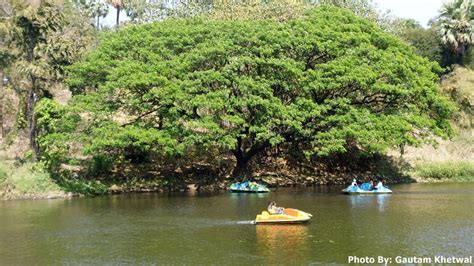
(460, 148)
(453, 159)
(460, 86)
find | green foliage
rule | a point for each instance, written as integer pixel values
(326, 82)
(41, 39)
(54, 123)
(31, 30)
(83, 187)
(425, 41)
(279, 10)
(363, 8)
(447, 171)
(100, 165)
(28, 179)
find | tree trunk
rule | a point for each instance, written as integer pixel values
(460, 54)
(241, 171)
(118, 16)
(2, 95)
(98, 17)
(32, 98)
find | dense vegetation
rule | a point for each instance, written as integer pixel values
(214, 90)
(322, 84)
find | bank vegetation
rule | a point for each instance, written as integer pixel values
(202, 93)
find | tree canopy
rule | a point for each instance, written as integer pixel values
(323, 83)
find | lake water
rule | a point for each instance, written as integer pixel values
(421, 220)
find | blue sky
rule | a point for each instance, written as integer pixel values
(420, 10)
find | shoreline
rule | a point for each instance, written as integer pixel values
(115, 190)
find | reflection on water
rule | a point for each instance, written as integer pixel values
(360, 201)
(367, 201)
(382, 201)
(281, 241)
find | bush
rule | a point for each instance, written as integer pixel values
(84, 187)
(100, 165)
(449, 171)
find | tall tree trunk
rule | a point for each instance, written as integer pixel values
(459, 55)
(460, 51)
(241, 170)
(31, 104)
(98, 17)
(118, 16)
(2, 95)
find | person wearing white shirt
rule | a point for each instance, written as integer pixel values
(354, 182)
(379, 185)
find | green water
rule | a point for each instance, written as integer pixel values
(215, 228)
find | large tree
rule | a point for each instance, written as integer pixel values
(324, 83)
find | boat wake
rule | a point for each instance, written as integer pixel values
(246, 222)
(239, 222)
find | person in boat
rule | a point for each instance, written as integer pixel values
(273, 209)
(372, 185)
(379, 184)
(253, 185)
(354, 183)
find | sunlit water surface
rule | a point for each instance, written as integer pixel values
(217, 228)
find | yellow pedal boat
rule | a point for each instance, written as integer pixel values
(288, 216)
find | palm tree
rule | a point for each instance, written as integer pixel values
(456, 26)
(117, 4)
(100, 9)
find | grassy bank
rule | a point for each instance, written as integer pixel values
(444, 172)
(27, 182)
(30, 181)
